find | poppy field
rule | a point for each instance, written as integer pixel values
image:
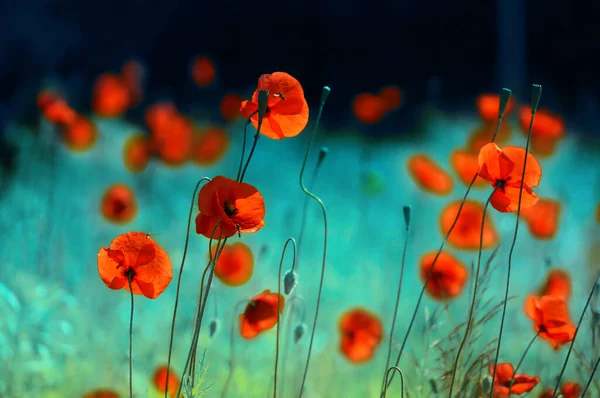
(237, 248)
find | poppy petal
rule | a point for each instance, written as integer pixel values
(494, 164)
(528, 198)
(533, 173)
(145, 255)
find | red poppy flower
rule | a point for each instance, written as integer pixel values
(569, 389)
(551, 319)
(507, 382)
(111, 96)
(136, 153)
(488, 106)
(210, 145)
(160, 380)
(361, 333)
(260, 314)
(235, 264)
(448, 277)
(79, 134)
(238, 206)
(542, 219)
(230, 107)
(369, 108)
(466, 165)
(482, 135)
(391, 96)
(54, 108)
(287, 109)
(203, 71)
(503, 168)
(135, 255)
(557, 283)
(465, 234)
(119, 204)
(429, 175)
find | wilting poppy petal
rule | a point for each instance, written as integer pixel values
(119, 204)
(542, 218)
(150, 275)
(391, 96)
(429, 175)
(80, 134)
(466, 166)
(159, 380)
(545, 124)
(369, 108)
(210, 145)
(102, 393)
(136, 153)
(465, 234)
(235, 264)
(482, 135)
(488, 106)
(361, 332)
(203, 71)
(230, 107)
(260, 314)
(448, 276)
(110, 96)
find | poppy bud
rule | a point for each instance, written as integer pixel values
(325, 94)
(322, 153)
(486, 384)
(213, 328)
(263, 97)
(504, 97)
(536, 93)
(406, 211)
(289, 281)
(299, 332)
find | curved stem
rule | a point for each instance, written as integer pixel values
(589, 382)
(293, 241)
(241, 178)
(231, 346)
(387, 375)
(524, 353)
(562, 371)
(535, 102)
(475, 286)
(429, 273)
(291, 307)
(129, 278)
(185, 248)
(389, 354)
(248, 121)
(324, 95)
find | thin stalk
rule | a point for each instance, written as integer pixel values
(231, 347)
(562, 371)
(185, 248)
(263, 96)
(537, 92)
(387, 375)
(248, 121)
(525, 353)
(475, 286)
(589, 382)
(129, 278)
(293, 241)
(324, 95)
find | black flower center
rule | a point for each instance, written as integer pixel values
(229, 209)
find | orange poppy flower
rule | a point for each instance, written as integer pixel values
(132, 74)
(557, 283)
(551, 319)
(110, 96)
(238, 206)
(448, 277)
(119, 204)
(230, 107)
(158, 116)
(507, 382)
(287, 109)
(210, 145)
(488, 106)
(369, 108)
(135, 255)
(466, 165)
(136, 153)
(429, 175)
(361, 333)
(102, 393)
(542, 219)
(260, 314)
(569, 389)
(54, 108)
(80, 134)
(503, 168)
(465, 234)
(173, 142)
(235, 264)
(203, 71)
(482, 135)
(160, 380)
(391, 96)
(546, 124)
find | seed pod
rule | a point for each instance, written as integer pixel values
(213, 328)
(299, 332)
(290, 280)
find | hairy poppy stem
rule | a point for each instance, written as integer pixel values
(587, 304)
(406, 211)
(185, 248)
(129, 278)
(535, 101)
(504, 97)
(293, 241)
(324, 95)
(474, 299)
(248, 121)
(231, 346)
(387, 375)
